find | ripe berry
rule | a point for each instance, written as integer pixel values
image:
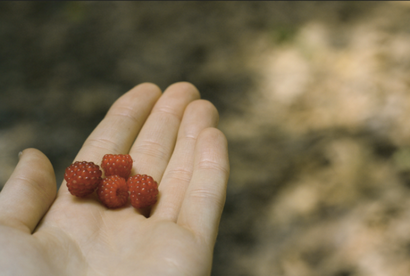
(143, 190)
(113, 191)
(117, 164)
(82, 178)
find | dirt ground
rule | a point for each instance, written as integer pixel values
(314, 100)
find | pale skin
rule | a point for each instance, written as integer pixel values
(171, 136)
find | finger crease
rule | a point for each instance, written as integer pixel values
(127, 115)
(152, 148)
(206, 194)
(167, 112)
(102, 143)
(181, 174)
(212, 165)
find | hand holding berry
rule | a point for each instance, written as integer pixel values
(171, 137)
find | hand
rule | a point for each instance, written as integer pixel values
(170, 136)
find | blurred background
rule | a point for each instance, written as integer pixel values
(314, 99)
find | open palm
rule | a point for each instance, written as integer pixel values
(170, 136)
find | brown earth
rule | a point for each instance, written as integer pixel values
(314, 100)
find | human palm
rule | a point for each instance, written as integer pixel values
(170, 136)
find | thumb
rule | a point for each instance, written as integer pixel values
(29, 192)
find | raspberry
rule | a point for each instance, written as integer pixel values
(143, 190)
(82, 178)
(117, 164)
(113, 191)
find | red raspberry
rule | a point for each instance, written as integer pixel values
(143, 190)
(113, 191)
(82, 178)
(117, 164)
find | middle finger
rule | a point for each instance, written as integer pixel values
(155, 143)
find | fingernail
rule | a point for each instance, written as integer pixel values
(20, 154)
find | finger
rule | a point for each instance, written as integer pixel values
(204, 200)
(155, 143)
(29, 192)
(119, 128)
(199, 115)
